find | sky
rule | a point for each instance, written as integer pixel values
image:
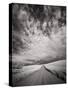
(38, 35)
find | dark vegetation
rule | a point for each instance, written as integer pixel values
(60, 75)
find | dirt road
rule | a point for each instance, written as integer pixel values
(39, 77)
